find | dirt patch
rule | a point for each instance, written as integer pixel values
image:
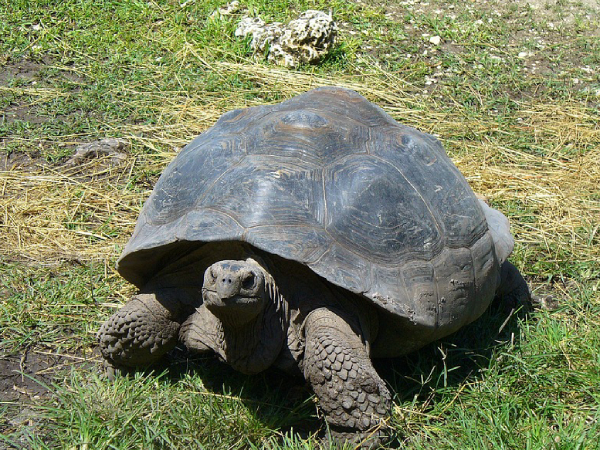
(27, 70)
(21, 161)
(563, 11)
(26, 382)
(23, 71)
(15, 373)
(13, 76)
(24, 83)
(559, 11)
(29, 375)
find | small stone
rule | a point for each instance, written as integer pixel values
(550, 303)
(435, 40)
(429, 81)
(228, 10)
(105, 147)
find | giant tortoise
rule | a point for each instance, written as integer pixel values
(311, 236)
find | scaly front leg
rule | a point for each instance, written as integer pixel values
(353, 397)
(139, 333)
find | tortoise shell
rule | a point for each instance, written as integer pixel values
(331, 181)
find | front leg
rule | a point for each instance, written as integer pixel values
(140, 333)
(353, 397)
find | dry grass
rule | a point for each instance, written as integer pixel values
(54, 212)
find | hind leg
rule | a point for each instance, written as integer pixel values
(139, 333)
(513, 291)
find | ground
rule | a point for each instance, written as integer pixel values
(512, 90)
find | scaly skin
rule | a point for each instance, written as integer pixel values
(139, 333)
(353, 397)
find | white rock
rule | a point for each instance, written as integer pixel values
(231, 8)
(435, 40)
(304, 40)
(249, 25)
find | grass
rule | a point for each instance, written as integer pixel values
(512, 92)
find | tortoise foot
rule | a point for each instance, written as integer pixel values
(138, 334)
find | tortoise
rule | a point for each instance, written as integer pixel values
(311, 235)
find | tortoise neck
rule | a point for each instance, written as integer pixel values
(254, 346)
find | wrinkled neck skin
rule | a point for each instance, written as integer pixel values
(254, 346)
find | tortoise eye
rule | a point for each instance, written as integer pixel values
(212, 274)
(248, 281)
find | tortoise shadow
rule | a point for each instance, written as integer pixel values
(283, 402)
(458, 358)
(277, 400)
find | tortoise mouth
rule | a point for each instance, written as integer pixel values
(238, 309)
(212, 299)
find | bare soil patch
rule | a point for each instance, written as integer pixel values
(26, 383)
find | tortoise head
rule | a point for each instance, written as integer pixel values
(234, 291)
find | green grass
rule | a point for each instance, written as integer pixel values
(515, 101)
